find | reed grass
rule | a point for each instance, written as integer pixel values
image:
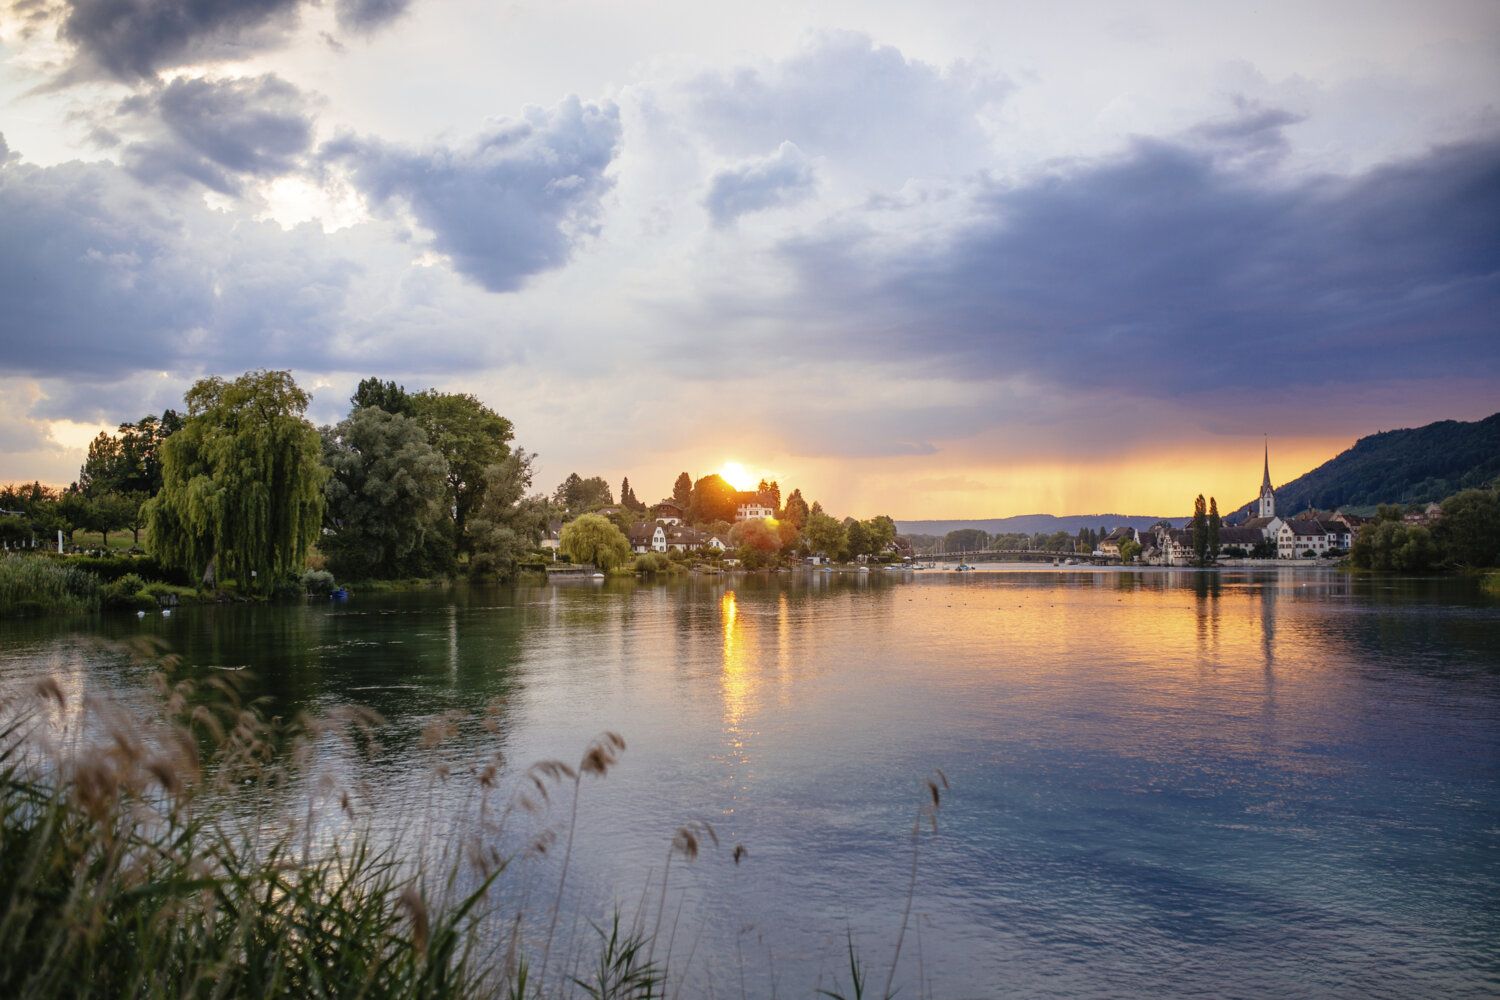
(138, 859)
(33, 585)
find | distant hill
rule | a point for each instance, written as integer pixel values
(1415, 465)
(1032, 523)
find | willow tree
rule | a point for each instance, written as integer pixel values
(242, 482)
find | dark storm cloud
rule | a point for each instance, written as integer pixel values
(98, 277)
(215, 132)
(506, 206)
(1167, 270)
(367, 15)
(779, 179)
(136, 38)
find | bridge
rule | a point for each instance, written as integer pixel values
(1016, 555)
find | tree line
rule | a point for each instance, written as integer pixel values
(242, 488)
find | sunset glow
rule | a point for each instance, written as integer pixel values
(738, 476)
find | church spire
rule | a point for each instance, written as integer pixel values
(1265, 479)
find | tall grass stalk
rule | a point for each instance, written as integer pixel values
(33, 584)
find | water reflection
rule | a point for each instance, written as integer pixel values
(1220, 784)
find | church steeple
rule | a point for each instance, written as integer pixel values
(1267, 494)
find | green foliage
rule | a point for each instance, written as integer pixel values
(31, 585)
(471, 437)
(628, 499)
(1214, 523)
(1130, 550)
(591, 538)
(576, 495)
(318, 582)
(624, 969)
(128, 593)
(796, 510)
(1468, 533)
(128, 461)
(113, 567)
(756, 535)
(967, 540)
(713, 499)
(508, 524)
(682, 490)
(1391, 545)
(384, 509)
(242, 483)
(387, 396)
(771, 488)
(825, 535)
(1200, 530)
(654, 562)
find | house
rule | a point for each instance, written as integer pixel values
(692, 540)
(1267, 526)
(1240, 537)
(552, 536)
(668, 512)
(752, 505)
(1299, 537)
(1426, 515)
(646, 537)
(1110, 544)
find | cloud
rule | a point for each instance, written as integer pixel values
(782, 178)
(215, 132)
(864, 106)
(367, 15)
(510, 204)
(132, 39)
(1165, 269)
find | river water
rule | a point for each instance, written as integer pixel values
(1163, 783)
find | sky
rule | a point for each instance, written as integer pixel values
(933, 260)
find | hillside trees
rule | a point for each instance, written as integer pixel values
(242, 482)
(1392, 545)
(384, 495)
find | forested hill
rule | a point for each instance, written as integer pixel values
(1415, 465)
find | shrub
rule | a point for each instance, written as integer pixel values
(127, 593)
(317, 582)
(654, 562)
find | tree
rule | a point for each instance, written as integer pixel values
(758, 534)
(387, 396)
(471, 437)
(591, 538)
(508, 523)
(968, 540)
(1129, 550)
(1392, 545)
(770, 488)
(713, 499)
(796, 510)
(1214, 523)
(577, 495)
(103, 470)
(384, 497)
(856, 538)
(628, 499)
(242, 482)
(1469, 530)
(682, 490)
(880, 533)
(1200, 530)
(108, 512)
(825, 535)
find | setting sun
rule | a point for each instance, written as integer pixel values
(738, 476)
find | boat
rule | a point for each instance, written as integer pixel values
(342, 594)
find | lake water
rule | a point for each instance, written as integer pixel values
(1164, 783)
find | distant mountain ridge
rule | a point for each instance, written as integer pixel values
(1032, 523)
(1412, 465)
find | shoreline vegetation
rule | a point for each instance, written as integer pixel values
(240, 497)
(122, 861)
